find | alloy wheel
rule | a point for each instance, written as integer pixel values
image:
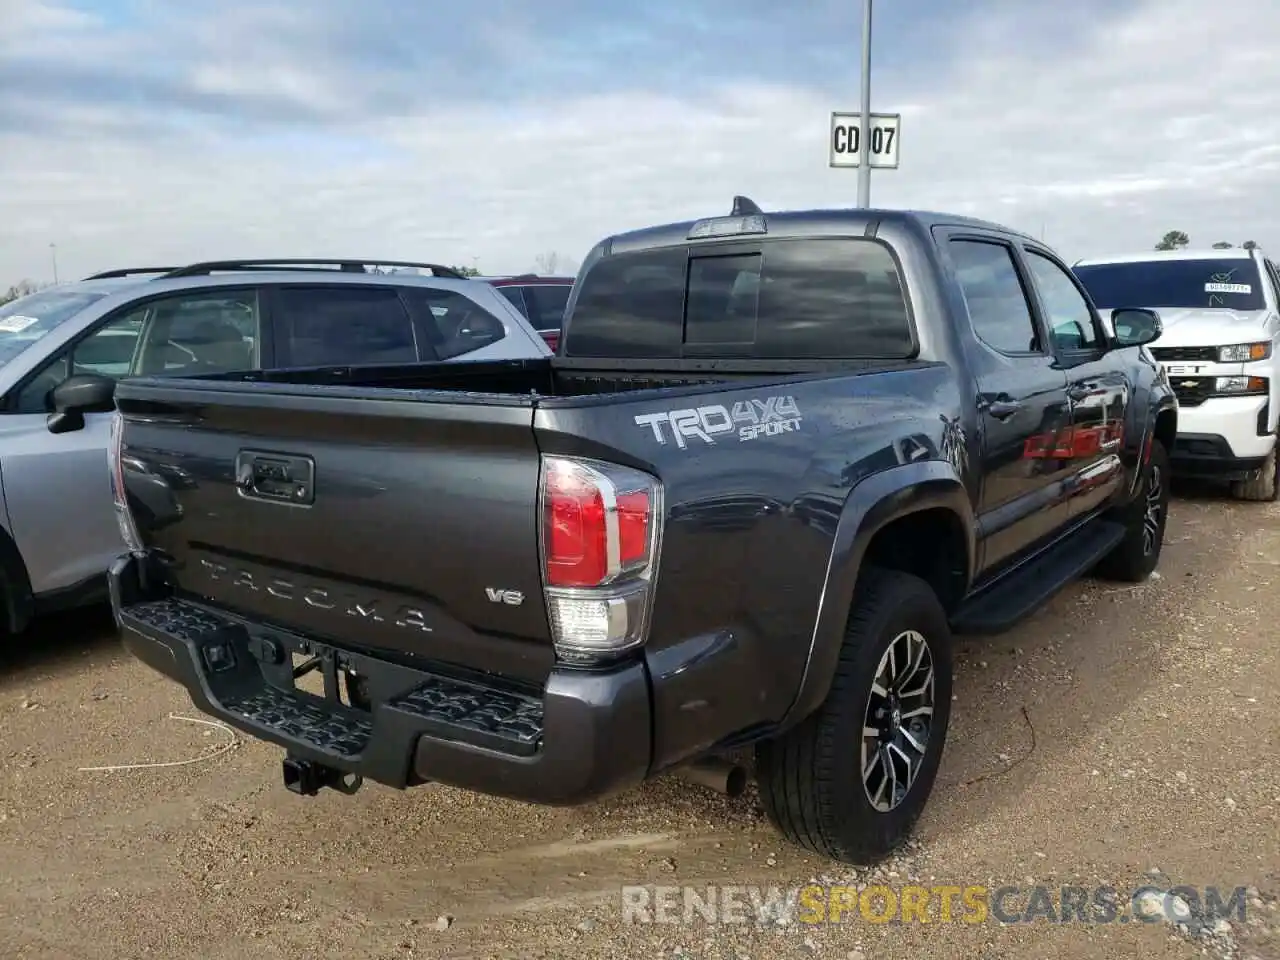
(898, 721)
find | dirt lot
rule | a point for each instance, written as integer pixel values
(1147, 754)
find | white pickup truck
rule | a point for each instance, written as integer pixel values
(1221, 316)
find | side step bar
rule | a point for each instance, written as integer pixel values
(1024, 590)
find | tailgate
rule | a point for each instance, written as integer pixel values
(397, 524)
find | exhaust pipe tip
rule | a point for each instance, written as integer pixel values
(722, 776)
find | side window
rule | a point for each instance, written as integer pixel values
(516, 296)
(455, 324)
(108, 352)
(994, 296)
(207, 332)
(1071, 319)
(213, 331)
(547, 302)
(340, 325)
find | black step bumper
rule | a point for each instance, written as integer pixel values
(586, 736)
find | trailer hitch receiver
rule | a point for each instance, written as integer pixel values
(307, 778)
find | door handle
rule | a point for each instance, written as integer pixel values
(1003, 409)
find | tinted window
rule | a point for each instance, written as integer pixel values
(832, 298)
(455, 324)
(794, 299)
(27, 319)
(1069, 314)
(1224, 283)
(546, 303)
(993, 294)
(630, 305)
(723, 300)
(344, 325)
(516, 297)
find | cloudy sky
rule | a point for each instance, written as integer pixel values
(158, 131)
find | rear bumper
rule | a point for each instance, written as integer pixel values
(587, 736)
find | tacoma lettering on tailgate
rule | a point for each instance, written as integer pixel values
(320, 598)
(748, 419)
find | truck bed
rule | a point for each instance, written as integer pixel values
(550, 377)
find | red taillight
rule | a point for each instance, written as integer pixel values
(598, 522)
(576, 536)
(552, 338)
(633, 527)
(601, 526)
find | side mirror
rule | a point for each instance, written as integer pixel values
(1135, 326)
(78, 395)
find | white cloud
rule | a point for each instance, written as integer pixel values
(1166, 117)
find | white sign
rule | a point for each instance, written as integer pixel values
(1244, 288)
(846, 144)
(16, 323)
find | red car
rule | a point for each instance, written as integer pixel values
(541, 299)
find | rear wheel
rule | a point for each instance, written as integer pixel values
(850, 781)
(1144, 518)
(1264, 487)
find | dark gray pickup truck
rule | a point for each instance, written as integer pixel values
(778, 460)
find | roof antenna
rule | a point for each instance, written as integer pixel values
(744, 207)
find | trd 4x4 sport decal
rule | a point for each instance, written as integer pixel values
(748, 419)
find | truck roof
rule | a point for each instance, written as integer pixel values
(803, 223)
(1186, 253)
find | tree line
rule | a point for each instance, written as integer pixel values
(20, 289)
(1177, 239)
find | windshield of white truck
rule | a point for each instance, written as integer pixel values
(27, 319)
(1209, 284)
(777, 299)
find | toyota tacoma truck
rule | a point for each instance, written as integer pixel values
(777, 462)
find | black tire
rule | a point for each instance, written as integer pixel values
(811, 778)
(1264, 488)
(1138, 554)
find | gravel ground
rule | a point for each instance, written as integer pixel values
(1122, 737)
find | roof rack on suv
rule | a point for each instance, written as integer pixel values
(344, 266)
(128, 272)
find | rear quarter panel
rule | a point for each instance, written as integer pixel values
(751, 520)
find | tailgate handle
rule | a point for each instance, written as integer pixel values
(276, 477)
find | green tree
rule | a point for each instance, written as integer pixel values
(1173, 240)
(1222, 245)
(467, 271)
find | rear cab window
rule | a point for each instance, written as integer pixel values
(1226, 283)
(785, 299)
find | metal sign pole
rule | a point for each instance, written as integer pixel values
(864, 136)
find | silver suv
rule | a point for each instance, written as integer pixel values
(63, 348)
